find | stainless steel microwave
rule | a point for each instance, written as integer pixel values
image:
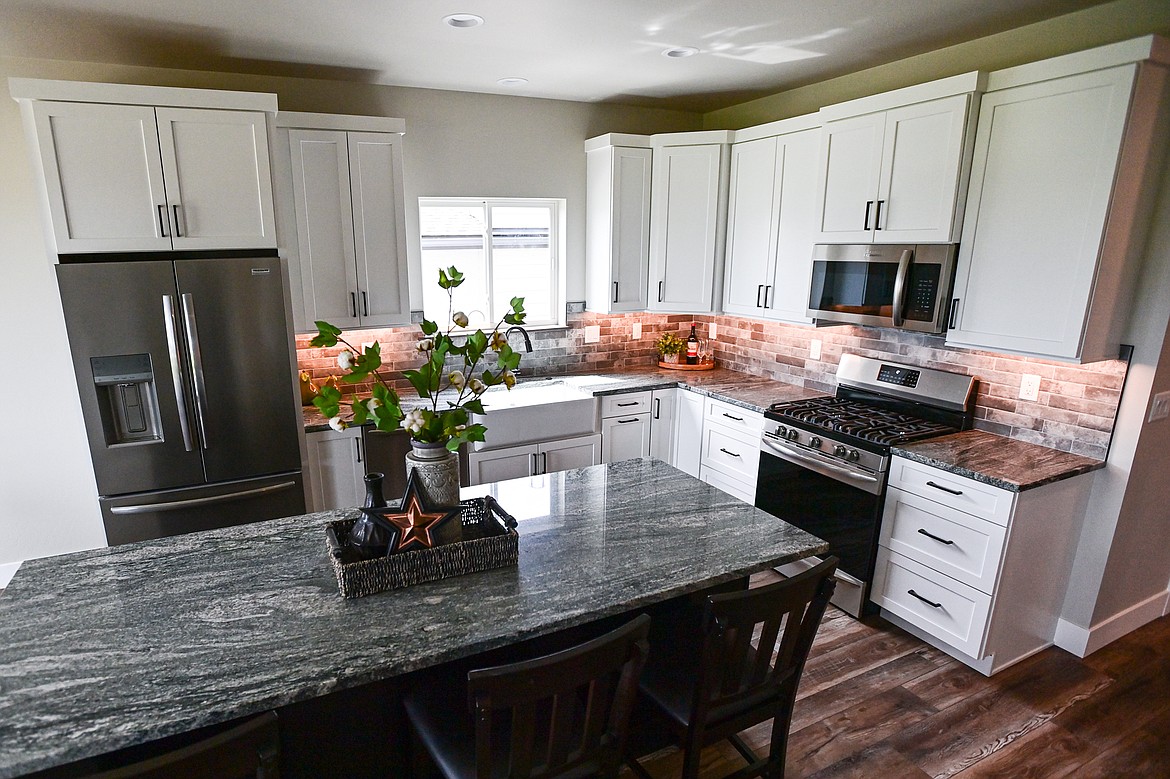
(907, 286)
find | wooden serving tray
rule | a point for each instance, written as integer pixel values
(682, 366)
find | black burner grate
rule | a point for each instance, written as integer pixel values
(859, 419)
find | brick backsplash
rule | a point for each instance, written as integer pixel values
(1075, 410)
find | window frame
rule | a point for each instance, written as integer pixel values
(557, 247)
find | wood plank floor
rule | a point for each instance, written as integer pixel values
(877, 702)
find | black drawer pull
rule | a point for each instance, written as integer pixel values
(624, 421)
(936, 538)
(733, 454)
(944, 489)
(631, 403)
(729, 416)
(924, 600)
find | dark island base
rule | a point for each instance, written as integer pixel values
(362, 731)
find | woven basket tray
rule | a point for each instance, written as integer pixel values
(489, 541)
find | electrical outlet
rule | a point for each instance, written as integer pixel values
(592, 334)
(636, 331)
(1160, 407)
(712, 331)
(1029, 387)
(814, 350)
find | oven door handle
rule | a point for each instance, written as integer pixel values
(900, 286)
(863, 481)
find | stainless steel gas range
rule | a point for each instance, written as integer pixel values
(823, 461)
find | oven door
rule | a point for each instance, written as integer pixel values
(834, 502)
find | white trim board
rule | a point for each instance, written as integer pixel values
(1083, 642)
(7, 571)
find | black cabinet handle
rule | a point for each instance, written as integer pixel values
(877, 217)
(624, 421)
(954, 313)
(162, 221)
(658, 408)
(936, 538)
(660, 292)
(924, 600)
(759, 292)
(365, 304)
(732, 454)
(178, 234)
(868, 206)
(353, 304)
(615, 292)
(729, 416)
(944, 489)
(357, 445)
(767, 294)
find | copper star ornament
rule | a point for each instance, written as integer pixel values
(416, 522)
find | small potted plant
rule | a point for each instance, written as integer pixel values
(669, 347)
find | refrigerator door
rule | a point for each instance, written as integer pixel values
(130, 518)
(237, 345)
(122, 323)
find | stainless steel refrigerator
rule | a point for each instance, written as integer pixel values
(186, 384)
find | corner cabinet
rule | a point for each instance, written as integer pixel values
(688, 218)
(342, 218)
(1063, 173)
(129, 168)
(617, 223)
(516, 462)
(771, 221)
(898, 174)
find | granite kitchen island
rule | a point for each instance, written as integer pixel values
(112, 648)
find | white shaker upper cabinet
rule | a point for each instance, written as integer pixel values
(687, 225)
(771, 224)
(897, 175)
(617, 218)
(1056, 186)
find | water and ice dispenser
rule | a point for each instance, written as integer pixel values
(128, 399)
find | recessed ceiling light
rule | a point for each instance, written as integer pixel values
(512, 81)
(463, 20)
(680, 51)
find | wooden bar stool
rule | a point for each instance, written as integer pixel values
(710, 682)
(562, 715)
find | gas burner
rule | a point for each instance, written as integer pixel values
(858, 419)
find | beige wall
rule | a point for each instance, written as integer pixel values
(1085, 29)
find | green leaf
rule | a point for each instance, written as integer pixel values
(420, 382)
(429, 327)
(475, 406)
(326, 402)
(444, 282)
(456, 278)
(360, 412)
(326, 335)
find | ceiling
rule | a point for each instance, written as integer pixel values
(585, 50)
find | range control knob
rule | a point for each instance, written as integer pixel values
(781, 431)
(815, 442)
(793, 435)
(839, 451)
(854, 455)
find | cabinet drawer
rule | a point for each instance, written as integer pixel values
(624, 405)
(958, 492)
(960, 617)
(734, 417)
(731, 453)
(742, 490)
(951, 542)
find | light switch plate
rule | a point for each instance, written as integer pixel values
(814, 350)
(1029, 387)
(1160, 407)
(712, 331)
(636, 331)
(592, 334)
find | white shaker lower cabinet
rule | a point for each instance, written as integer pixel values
(662, 423)
(976, 570)
(625, 426)
(516, 462)
(688, 432)
(1065, 164)
(730, 453)
(336, 469)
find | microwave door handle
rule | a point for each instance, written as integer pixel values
(900, 286)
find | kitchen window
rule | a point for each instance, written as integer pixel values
(505, 247)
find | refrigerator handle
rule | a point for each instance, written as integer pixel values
(177, 505)
(177, 371)
(195, 362)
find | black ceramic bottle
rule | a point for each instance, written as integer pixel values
(368, 537)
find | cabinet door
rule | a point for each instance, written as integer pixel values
(921, 165)
(795, 227)
(219, 182)
(688, 432)
(1042, 176)
(851, 157)
(751, 227)
(501, 464)
(617, 231)
(321, 192)
(379, 228)
(336, 469)
(662, 406)
(570, 453)
(103, 175)
(684, 227)
(625, 437)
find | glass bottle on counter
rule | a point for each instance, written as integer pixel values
(693, 347)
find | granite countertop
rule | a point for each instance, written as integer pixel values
(113, 647)
(998, 461)
(740, 389)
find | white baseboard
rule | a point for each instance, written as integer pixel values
(7, 571)
(1083, 642)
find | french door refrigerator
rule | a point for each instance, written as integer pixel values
(186, 384)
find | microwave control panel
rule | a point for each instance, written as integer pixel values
(923, 293)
